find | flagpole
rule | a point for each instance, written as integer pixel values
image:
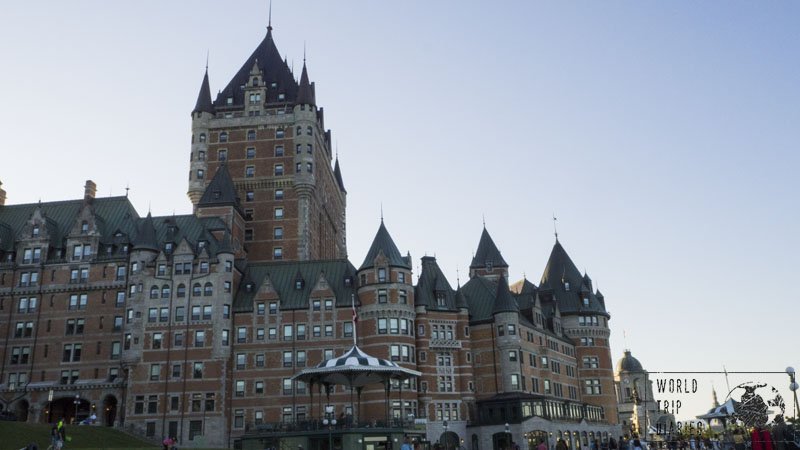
(355, 321)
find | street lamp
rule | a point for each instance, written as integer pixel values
(329, 421)
(508, 432)
(77, 402)
(793, 386)
(446, 441)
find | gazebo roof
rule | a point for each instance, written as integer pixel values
(720, 412)
(355, 369)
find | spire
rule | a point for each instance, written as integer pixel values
(487, 252)
(383, 243)
(305, 92)
(560, 268)
(337, 173)
(204, 97)
(269, 20)
(220, 191)
(503, 301)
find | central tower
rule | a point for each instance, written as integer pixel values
(266, 127)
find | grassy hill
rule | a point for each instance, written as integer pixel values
(16, 435)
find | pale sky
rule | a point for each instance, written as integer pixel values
(662, 134)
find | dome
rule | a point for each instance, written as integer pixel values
(629, 364)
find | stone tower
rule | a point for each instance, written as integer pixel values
(265, 126)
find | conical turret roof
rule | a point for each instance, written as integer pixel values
(337, 172)
(220, 191)
(503, 301)
(204, 103)
(383, 243)
(487, 252)
(146, 235)
(305, 92)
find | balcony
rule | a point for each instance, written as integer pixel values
(445, 343)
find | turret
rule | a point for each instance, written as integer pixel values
(202, 114)
(488, 262)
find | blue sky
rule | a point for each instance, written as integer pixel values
(662, 134)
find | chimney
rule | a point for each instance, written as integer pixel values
(89, 190)
(2, 195)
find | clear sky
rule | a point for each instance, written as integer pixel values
(662, 134)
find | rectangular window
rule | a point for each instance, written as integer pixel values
(278, 170)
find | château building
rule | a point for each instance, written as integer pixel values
(193, 326)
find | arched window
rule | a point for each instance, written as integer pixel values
(202, 137)
(154, 292)
(197, 290)
(299, 131)
(309, 130)
(201, 155)
(165, 291)
(208, 290)
(310, 167)
(181, 290)
(84, 227)
(223, 137)
(298, 148)
(222, 155)
(255, 81)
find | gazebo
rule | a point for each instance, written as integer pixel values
(720, 413)
(354, 369)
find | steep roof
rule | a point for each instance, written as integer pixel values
(563, 282)
(220, 191)
(383, 243)
(431, 283)
(146, 235)
(487, 252)
(274, 70)
(282, 276)
(305, 92)
(337, 172)
(503, 301)
(204, 97)
(116, 214)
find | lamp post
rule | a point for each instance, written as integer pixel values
(793, 386)
(329, 421)
(77, 402)
(446, 441)
(508, 432)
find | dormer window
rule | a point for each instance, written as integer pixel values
(255, 81)
(348, 281)
(273, 85)
(281, 97)
(168, 247)
(299, 283)
(440, 300)
(229, 101)
(201, 245)
(35, 231)
(585, 301)
(489, 266)
(84, 227)
(566, 285)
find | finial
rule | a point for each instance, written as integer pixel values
(625, 339)
(148, 208)
(304, 53)
(269, 21)
(337, 149)
(458, 278)
(381, 212)
(555, 228)
(127, 188)
(483, 218)
(207, 53)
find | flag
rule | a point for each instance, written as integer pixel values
(355, 313)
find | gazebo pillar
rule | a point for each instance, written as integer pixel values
(311, 397)
(388, 393)
(358, 411)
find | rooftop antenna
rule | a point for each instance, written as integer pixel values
(269, 21)
(555, 228)
(483, 218)
(127, 188)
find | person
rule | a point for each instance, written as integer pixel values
(623, 443)
(166, 443)
(174, 443)
(637, 444)
(561, 444)
(62, 430)
(406, 444)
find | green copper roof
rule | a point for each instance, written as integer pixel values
(487, 253)
(383, 243)
(563, 282)
(503, 301)
(220, 191)
(283, 276)
(432, 283)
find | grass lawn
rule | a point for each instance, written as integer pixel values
(16, 435)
